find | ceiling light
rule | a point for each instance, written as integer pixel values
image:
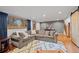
(57, 19)
(44, 15)
(33, 17)
(59, 12)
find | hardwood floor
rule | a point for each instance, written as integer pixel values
(10, 48)
(70, 46)
(48, 51)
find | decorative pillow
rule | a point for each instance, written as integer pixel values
(14, 33)
(26, 35)
(37, 31)
(47, 33)
(21, 35)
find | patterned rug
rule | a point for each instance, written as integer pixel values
(40, 45)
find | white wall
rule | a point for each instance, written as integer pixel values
(37, 26)
(67, 20)
(66, 23)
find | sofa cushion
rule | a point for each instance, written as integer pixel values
(42, 32)
(52, 33)
(14, 33)
(47, 33)
(13, 39)
(21, 35)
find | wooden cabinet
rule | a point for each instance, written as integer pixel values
(3, 31)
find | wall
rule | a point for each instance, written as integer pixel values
(57, 25)
(34, 26)
(67, 27)
(67, 20)
(37, 26)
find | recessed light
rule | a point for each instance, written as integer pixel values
(44, 15)
(59, 12)
(33, 17)
(57, 19)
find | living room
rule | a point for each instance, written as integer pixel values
(39, 29)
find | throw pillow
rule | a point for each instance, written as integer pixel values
(21, 35)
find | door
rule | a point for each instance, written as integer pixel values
(75, 28)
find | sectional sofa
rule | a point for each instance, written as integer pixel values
(21, 39)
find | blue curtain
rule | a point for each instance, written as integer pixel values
(3, 25)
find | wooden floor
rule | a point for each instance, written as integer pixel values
(70, 46)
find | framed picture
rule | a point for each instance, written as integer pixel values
(16, 23)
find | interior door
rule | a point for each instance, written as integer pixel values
(75, 28)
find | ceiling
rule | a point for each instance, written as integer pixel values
(40, 13)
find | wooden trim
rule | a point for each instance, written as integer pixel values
(75, 11)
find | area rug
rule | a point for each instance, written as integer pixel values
(40, 45)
